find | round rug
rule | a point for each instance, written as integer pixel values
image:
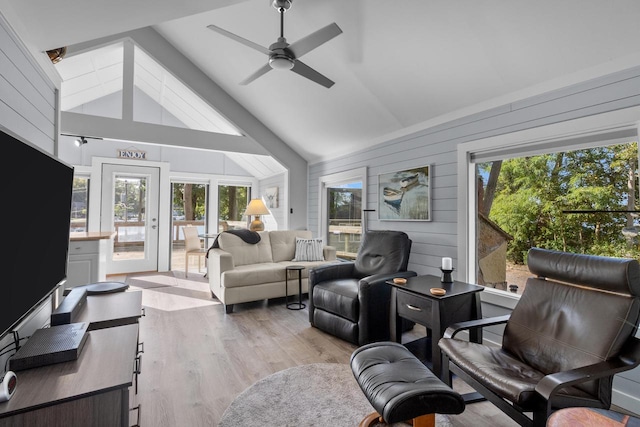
(319, 394)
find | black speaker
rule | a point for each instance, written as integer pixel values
(68, 310)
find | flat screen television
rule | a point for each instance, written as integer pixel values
(36, 212)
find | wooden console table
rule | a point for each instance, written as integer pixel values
(93, 390)
(90, 391)
(414, 301)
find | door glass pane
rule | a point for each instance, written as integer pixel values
(344, 203)
(189, 207)
(581, 201)
(129, 217)
(80, 204)
(232, 202)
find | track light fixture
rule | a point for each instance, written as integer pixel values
(80, 140)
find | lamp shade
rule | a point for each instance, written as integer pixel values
(256, 207)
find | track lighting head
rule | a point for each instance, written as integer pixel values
(80, 141)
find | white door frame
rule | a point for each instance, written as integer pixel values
(164, 197)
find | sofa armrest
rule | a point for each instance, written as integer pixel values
(219, 261)
(326, 272)
(329, 253)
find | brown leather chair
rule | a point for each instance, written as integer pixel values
(571, 332)
(351, 299)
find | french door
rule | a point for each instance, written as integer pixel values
(130, 207)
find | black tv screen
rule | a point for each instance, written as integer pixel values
(36, 212)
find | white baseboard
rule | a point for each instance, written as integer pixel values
(626, 401)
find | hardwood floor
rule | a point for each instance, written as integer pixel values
(197, 359)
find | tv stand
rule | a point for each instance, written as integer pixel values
(91, 391)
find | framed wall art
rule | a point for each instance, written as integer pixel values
(405, 195)
(271, 197)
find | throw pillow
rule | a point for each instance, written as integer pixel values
(308, 250)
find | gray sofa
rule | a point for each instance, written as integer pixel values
(242, 272)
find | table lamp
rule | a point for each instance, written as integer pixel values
(256, 207)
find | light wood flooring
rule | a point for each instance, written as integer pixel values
(197, 359)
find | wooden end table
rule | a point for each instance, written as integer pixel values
(414, 301)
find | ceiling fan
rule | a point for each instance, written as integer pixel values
(285, 56)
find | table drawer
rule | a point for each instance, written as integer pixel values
(83, 247)
(414, 307)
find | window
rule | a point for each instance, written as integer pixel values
(573, 201)
(232, 202)
(80, 204)
(345, 218)
(561, 139)
(188, 208)
(342, 201)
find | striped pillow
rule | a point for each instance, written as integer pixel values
(308, 250)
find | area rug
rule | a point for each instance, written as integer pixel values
(319, 394)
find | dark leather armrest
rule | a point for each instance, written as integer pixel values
(375, 301)
(628, 359)
(452, 330)
(326, 272)
(381, 278)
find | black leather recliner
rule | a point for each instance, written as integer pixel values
(571, 332)
(351, 299)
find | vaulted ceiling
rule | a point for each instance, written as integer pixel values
(398, 66)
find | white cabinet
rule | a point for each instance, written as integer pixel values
(83, 264)
(87, 258)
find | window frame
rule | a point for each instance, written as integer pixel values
(586, 132)
(326, 181)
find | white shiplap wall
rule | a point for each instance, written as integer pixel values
(27, 97)
(27, 111)
(438, 145)
(278, 220)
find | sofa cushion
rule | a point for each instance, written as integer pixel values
(283, 243)
(245, 253)
(308, 250)
(254, 274)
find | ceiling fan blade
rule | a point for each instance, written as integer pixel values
(262, 70)
(239, 39)
(313, 40)
(305, 71)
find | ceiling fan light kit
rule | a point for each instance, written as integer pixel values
(281, 62)
(285, 56)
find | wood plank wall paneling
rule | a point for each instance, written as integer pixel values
(27, 98)
(438, 146)
(280, 214)
(27, 109)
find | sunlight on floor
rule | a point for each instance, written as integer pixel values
(170, 291)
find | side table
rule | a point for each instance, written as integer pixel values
(294, 305)
(414, 301)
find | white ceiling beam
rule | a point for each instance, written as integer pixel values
(110, 128)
